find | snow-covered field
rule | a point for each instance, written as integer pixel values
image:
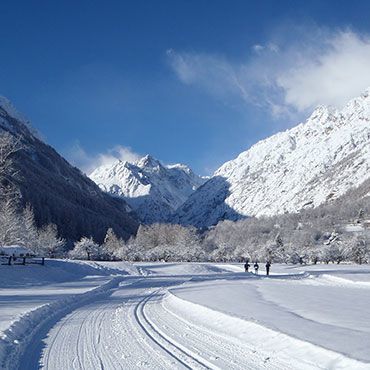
(114, 315)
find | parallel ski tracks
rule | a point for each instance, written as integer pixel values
(181, 354)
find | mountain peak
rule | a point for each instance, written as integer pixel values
(148, 161)
(153, 190)
(322, 115)
(305, 166)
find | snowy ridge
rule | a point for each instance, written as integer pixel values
(310, 164)
(153, 190)
(7, 110)
(7, 106)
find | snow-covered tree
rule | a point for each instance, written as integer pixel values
(8, 147)
(49, 243)
(10, 222)
(280, 252)
(85, 249)
(111, 246)
(359, 250)
(29, 232)
(360, 216)
(126, 252)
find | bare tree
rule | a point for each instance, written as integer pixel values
(9, 145)
(10, 222)
(29, 233)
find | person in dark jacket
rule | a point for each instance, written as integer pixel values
(268, 265)
(256, 267)
(246, 266)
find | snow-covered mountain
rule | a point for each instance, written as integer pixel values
(310, 164)
(58, 192)
(152, 189)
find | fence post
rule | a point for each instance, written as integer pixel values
(24, 261)
(43, 261)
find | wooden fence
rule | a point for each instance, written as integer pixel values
(27, 260)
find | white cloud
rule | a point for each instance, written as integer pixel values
(257, 48)
(79, 157)
(292, 73)
(339, 73)
(212, 73)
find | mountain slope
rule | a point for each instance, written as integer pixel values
(310, 164)
(59, 192)
(153, 190)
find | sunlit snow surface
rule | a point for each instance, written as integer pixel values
(171, 316)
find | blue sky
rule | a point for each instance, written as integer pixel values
(195, 82)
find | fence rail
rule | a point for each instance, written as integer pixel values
(12, 260)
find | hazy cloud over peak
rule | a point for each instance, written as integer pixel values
(286, 75)
(80, 158)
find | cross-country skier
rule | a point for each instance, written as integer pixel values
(268, 265)
(246, 266)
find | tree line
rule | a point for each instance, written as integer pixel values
(286, 239)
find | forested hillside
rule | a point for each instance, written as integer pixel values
(58, 192)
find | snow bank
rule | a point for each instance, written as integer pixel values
(14, 340)
(56, 271)
(327, 279)
(231, 267)
(276, 345)
(107, 267)
(186, 268)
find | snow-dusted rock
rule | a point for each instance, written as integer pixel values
(312, 163)
(152, 189)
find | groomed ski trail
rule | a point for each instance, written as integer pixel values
(136, 328)
(132, 329)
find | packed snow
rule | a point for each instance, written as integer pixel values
(115, 315)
